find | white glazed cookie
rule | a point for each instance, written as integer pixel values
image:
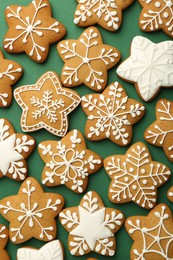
(91, 226)
(149, 67)
(3, 241)
(152, 235)
(50, 251)
(135, 177)
(111, 115)
(68, 162)
(46, 104)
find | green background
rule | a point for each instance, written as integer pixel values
(63, 10)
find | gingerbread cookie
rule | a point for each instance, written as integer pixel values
(156, 15)
(14, 149)
(91, 226)
(50, 251)
(160, 133)
(87, 60)
(32, 29)
(149, 67)
(31, 212)
(107, 14)
(10, 73)
(68, 162)
(135, 177)
(46, 104)
(152, 235)
(111, 115)
(170, 194)
(3, 241)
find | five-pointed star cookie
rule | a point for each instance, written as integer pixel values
(111, 115)
(152, 235)
(32, 29)
(31, 212)
(3, 241)
(14, 149)
(106, 13)
(135, 177)
(160, 133)
(68, 162)
(170, 194)
(91, 226)
(87, 60)
(46, 104)
(149, 67)
(156, 15)
(10, 73)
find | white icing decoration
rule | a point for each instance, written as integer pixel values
(50, 251)
(144, 177)
(150, 65)
(1, 232)
(10, 71)
(110, 114)
(3, 96)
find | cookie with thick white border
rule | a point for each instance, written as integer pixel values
(31, 212)
(91, 226)
(135, 177)
(106, 13)
(149, 67)
(68, 162)
(32, 29)
(152, 235)
(46, 104)
(3, 241)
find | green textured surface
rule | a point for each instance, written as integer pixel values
(63, 10)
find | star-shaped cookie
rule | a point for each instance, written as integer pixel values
(156, 15)
(14, 149)
(135, 177)
(31, 212)
(46, 104)
(68, 162)
(170, 194)
(91, 226)
(3, 241)
(152, 235)
(149, 67)
(106, 13)
(87, 60)
(10, 73)
(111, 115)
(160, 132)
(32, 29)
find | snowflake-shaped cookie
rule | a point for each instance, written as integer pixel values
(135, 177)
(152, 235)
(50, 251)
(32, 29)
(170, 194)
(31, 212)
(106, 13)
(111, 115)
(14, 149)
(156, 15)
(3, 241)
(149, 67)
(87, 60)
(46, 104)
(68, 162)
(91, 226)
(160, 133)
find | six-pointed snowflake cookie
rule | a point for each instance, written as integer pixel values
(31, 212)
(149, 67)
(106, 13)
(87, 60)
(152, 235)
(135, 177)
(111, 115)
(32, 29)
(160, 133)
(68, 162)
(170, 194)
(46, 104)
(156, 15)
(3, 241)
(50, 251)
(91, 226)
(10, 73)
(14, 149)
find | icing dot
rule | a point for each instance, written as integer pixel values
(134, 187)
(126, 179)
(131, 169)
(157, 4)
(144, 181)
(165, 15)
